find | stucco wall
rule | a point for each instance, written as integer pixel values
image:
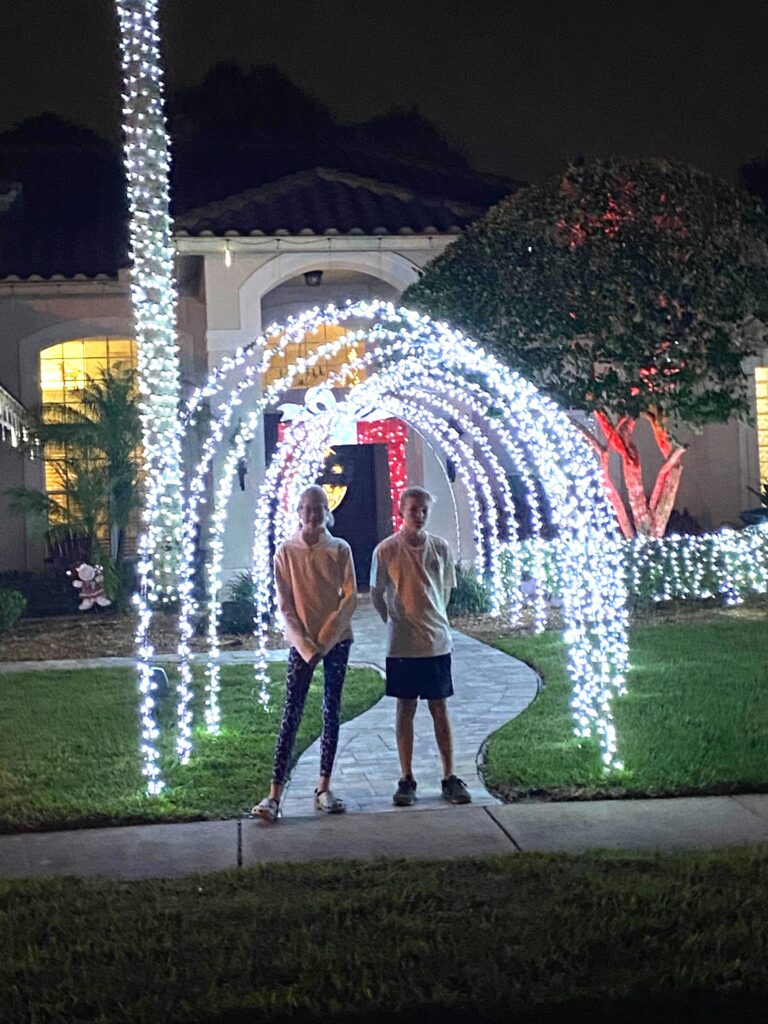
(222, 307)
(35, 315)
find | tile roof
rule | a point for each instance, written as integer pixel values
(202, 174)
(69, 218)
(324, 200)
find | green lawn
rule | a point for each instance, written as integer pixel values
(695, 719)
(69, 747)
(612, 937)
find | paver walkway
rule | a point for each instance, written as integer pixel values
(491, 687)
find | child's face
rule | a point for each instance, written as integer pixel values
(415, 512)
(312, 513)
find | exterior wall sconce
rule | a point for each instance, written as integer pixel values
(313, 278)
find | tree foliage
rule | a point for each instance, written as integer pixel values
(246, 103)
(624, 288)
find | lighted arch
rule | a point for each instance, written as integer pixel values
(427, 371)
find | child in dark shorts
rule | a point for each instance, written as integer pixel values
(411, 580)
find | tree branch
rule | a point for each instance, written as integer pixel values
(660, 433)
(672, 463)
(616, 435)
(604, 455)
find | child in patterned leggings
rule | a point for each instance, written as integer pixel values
(316, 595)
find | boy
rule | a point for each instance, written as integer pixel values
(411, 581)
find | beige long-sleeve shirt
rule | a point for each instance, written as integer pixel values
(316, 592)
(410, 588)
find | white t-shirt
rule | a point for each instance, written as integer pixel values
(316, 592)
(410, 588)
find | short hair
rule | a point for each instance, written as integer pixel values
(313, 491)
(414, 492)
(316, 491)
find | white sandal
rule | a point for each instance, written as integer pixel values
(326, 802)
(268, 810)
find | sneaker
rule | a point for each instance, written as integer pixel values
(268, 810)
(455, 790)
(406, 792)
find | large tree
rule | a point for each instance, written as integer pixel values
(628, 289)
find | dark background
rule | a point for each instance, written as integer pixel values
(523, 86)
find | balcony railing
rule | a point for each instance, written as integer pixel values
(13, 419)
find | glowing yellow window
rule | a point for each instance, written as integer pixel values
(64, 371)
(319, 373)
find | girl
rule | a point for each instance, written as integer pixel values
(316, 595)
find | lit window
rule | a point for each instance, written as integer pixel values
(303, 349)
(65, 370)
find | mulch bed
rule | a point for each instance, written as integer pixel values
(101, 635)
(110, 634)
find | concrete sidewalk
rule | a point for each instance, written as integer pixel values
(159, 851)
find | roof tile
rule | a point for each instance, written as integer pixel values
(324, 200)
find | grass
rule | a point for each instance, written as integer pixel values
(70, 740)
(695, 719)
(526, 937)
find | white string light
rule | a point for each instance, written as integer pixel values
(153, 295)
(592, 597)
(427, 355)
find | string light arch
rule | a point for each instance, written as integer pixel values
(467, 405)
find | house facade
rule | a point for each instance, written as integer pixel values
(318, 236)
(312, 238)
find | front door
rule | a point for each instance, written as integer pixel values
(363, 516)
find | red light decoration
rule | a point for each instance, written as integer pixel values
(392, 433)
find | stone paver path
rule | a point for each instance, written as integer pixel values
(491, 688)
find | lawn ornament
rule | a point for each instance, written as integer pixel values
(90, 583)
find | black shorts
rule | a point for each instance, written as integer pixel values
(428, 678)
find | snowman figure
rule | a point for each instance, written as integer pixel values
(90, 583)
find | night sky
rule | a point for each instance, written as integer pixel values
(522, 85)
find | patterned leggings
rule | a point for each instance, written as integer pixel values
(296, 689)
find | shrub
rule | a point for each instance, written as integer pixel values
(726, 566)
(470, 596)
(237, 611)
(12, 604)
(683, 524)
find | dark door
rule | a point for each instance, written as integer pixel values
(363, 517)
